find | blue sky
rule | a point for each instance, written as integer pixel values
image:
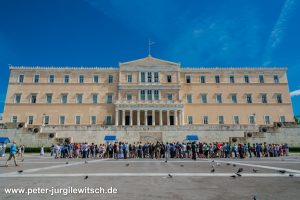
(195, 33)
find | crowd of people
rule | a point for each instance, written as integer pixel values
(123, 150)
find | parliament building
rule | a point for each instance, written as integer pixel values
(147, 99)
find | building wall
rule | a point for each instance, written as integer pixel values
(179, 88)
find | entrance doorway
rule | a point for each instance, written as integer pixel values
(149, 119)
(171, 120)
(127, 120)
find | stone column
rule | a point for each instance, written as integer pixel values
(168, 117)
(117, 118)
(130, 117)
(180, 118)
(138, 118)
(123, 117)
(160, 118)
(175, 118)
(153, 117)
(146, 119)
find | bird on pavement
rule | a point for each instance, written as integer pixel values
(227, 163)
(233, 176)
(86, 162)
(212, 170)
(181, 165)
(20, 171)
(281, 171)
(67, 162)
(234, 165)
(86, 177)
(170, 175)
(239, 170)
(218, 164)
(238, 174)
(255, 170)
(255, 198)
(22, 160)
(127, 164)
(291, 175)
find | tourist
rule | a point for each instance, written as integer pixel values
(12, 154)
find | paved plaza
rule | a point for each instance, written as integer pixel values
(155, 179)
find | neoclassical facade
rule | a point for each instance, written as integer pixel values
(147, 92)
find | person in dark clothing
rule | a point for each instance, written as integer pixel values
(194, 150)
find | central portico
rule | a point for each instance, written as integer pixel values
(157, 100)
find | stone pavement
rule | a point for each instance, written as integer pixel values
(154, 179)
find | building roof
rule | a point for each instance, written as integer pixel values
(149, 61)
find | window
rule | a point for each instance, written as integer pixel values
(221, 119)
(18, 98)
(96, 79)
(149, 77)
(217, 78)
(189, 98)
(246, 79)
(62, 120)
(51, 78)
(276, 79)
(190, 119)
(204, 98)
(129, 78)
(109, 98)
(143, 95)
(252, 119)
(108, 120)
(233, 98)
(33, 98)
(205, 119)
(169, 78)
(279, 98)
(219, 98)
(188, 78)
(36, 78)
(110, 78)
(282, 119)
(202, 79)
(46, 120)
(143, 79)
(149, 96)
(64, 98)
(249, 98)
(79, 98)
(94, 98)
(129, 97)
(231, 79)
(236, 120)
(93, 119)
(21, 78)
(156, 77)
(77, 120)
(170, 97)
(66, 78)
(261, 78)
(30, 119)
(156, 95)
(264, 98)
(267, 120)
(81, 79)
(14, 119)
(48, 98)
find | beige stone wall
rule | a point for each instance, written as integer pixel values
(179, 88)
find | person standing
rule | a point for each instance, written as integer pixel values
(42, 153)
(12, 154)
(194, 150)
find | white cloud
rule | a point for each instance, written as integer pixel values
(295, 93)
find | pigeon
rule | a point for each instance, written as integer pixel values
(166, 161)
(127, 164)
(86, 177)
(181, 165)
(238, 174)
(213, 161)
(218, 164)
(281, 171)
(291, 175)
(170, 175)
(86, 162)
(20, 171)
(254, 198)
(239, 170)
(255, 170)
(227, 163)
(212, 170)
(67, 163)
(233, 176)
(234, 165)
(22, 160)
